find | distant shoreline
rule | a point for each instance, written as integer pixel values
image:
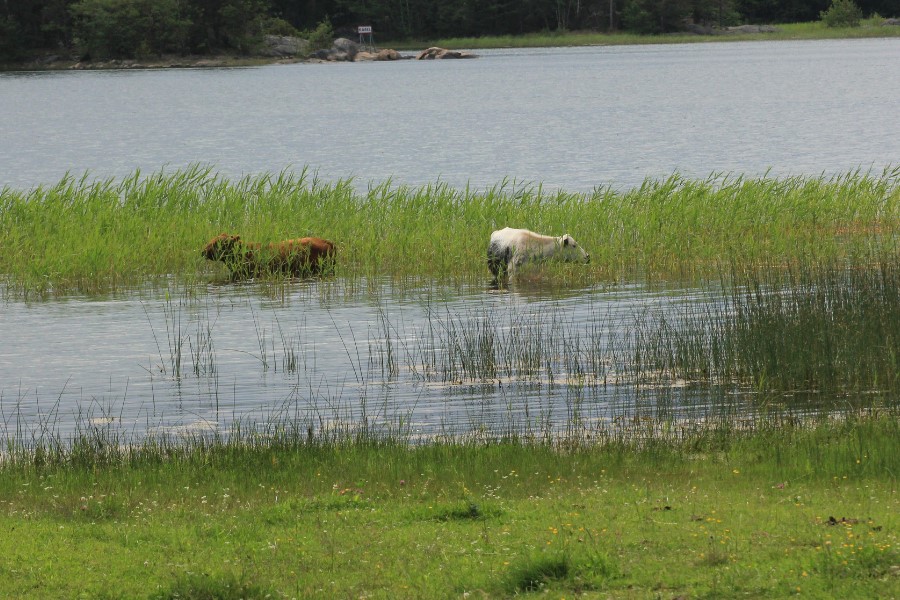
(885, 28)
(794, 31)
(166, 62)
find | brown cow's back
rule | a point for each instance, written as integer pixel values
(303, 256)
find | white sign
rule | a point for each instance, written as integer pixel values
(364, 29)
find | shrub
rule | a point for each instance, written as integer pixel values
(637, 20)
(322, 36)
(276, 26)
(842, 13)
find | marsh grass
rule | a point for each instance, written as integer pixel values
(807, 338)
(92, 235)
(785, 442)
(826, 328)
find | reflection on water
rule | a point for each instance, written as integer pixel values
(425, 358)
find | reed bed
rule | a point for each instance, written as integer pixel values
(829, 329)
(97, 444)
(88, 235)
(758, 344)
(827, 333)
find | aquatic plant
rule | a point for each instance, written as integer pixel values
(92, 235)
(829, 328)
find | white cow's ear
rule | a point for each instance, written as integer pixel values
(565, 240)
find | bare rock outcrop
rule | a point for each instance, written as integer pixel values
(348, 47)
(384, 54)
(282, 46)
(442, 53)
(751, 29)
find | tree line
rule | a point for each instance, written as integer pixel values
(101, 29)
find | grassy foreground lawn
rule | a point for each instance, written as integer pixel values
(785, 510)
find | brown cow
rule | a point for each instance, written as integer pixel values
(304, 256)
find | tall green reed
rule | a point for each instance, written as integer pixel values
(93, 235)
(823, 328)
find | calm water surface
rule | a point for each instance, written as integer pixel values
(431, 359)
(574, 118)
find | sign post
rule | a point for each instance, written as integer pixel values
(363, 31)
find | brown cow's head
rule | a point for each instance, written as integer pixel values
(222, 247)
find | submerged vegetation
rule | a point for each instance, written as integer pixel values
(817, 328)
(88, 235)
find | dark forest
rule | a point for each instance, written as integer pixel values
(137, 28)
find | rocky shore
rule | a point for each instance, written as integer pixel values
(273, 50)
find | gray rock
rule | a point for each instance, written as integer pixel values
(751, 29)
(383, 54)
(331, 55)
(434, 53)
(282, 45)
(387, 54)
(698, 29)
(348, 47)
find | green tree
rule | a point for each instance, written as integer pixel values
(637, 19)
(842, 13)
(128, 28)
(55, 24)
(321, 37)
(714, 12)
(242, 23)
(655, 16)
(10, 39)
(106, 28)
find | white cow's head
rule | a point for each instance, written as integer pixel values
(570, 251)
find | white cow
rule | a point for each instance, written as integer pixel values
(511, 248)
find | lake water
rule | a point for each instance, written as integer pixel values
(422, 358)
(573, 118)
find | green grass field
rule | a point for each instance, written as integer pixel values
(817, 30)
(781, 509)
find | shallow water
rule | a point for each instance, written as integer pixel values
(573, 118)
(423, 359)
